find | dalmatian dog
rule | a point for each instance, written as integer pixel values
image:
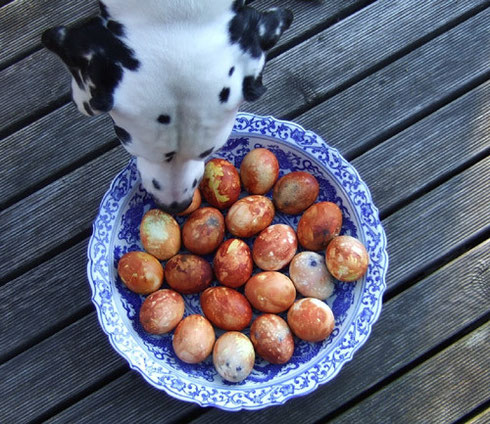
(172, 75)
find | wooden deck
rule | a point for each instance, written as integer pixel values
(400, 87)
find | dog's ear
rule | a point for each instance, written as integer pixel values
(53, 39)
(272, 24)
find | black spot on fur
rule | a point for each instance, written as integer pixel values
(224, 95)
(206, 153)
(115, 27)
(164, 119)
(253, 88)
(156, 184)
(103, 10)
(122, 134)
(87, 108)
(194, 184)
(232, 69)
(169, 156)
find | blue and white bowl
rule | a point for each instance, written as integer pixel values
(356, 306)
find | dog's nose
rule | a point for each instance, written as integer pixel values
(175, 207)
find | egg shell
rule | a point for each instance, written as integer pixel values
(259, 171)
(233, 263)
(233, 356)
(318, 225)
(249, 216)
(160, 234)
(193, 339)
(272, 338)
(141, 272)
(203, 231)
(162, 311)
(270, 291)
(311, 319)
(310, 275)
(274, 247)
(226, 308)
(196, 202)
(220, 185)
(347, 258)
(188, 274)
(294, 192)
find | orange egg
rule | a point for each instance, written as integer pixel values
(196, 202)
(140, 272)
(311, 319)
(193, 339)
(295, 192)
(249, 215)
(233, 356)
(160, 234)
(161, 311)
(203, 231)
(319, 224)
(274, 247)
(188, 274)
(233, 263)
(259, 171)
(347, 258)
(270, 291)
(272, 338)
(220, 185)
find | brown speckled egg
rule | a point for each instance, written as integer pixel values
(203, 231)
(274, 247)
(160, 234)
(295, 192)
(249, 215)
(140, 272)
(347, 258)
(233, 263)
(319, 224)
(162, 311)
(226, 308)
(259, 171)
(220, 185)
(310, 276)
(233, 356)
(196, 202)
(272, 338)
(270, 291)
(193, 339)
(188, 274)
(311, 319)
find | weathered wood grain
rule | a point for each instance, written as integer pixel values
(391, 97)
(441, 390)
(348, 50)
(22, 22)
(482, 418)
(410, 325)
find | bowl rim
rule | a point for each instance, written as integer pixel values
(239, 131)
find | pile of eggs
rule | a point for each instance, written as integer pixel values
(229, 305)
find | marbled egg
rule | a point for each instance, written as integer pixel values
(188, 274)
(193, 339)
(310, 276)
(270, 291)
(233, 356)
(347, 258)
(311, 319)
(272, 338)
(160, 234)
(203, 231)
(226, 308)
(141, 272)
(233, 263)
(249, 215)
(318, 225)
(220, 185)
(274, 247)
(259, 171)
(196, 202)
(294, 192)
(162, 311)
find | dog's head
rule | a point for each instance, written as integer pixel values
(171, 88)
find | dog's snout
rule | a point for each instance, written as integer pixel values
(176, 207)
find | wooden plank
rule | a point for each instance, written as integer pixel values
(482, 418)
(60, 366)
(48, 295)
(23, 21)
(452, 384)
(394, 342)
(382, 102)
(347, 50)
(56, 141)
